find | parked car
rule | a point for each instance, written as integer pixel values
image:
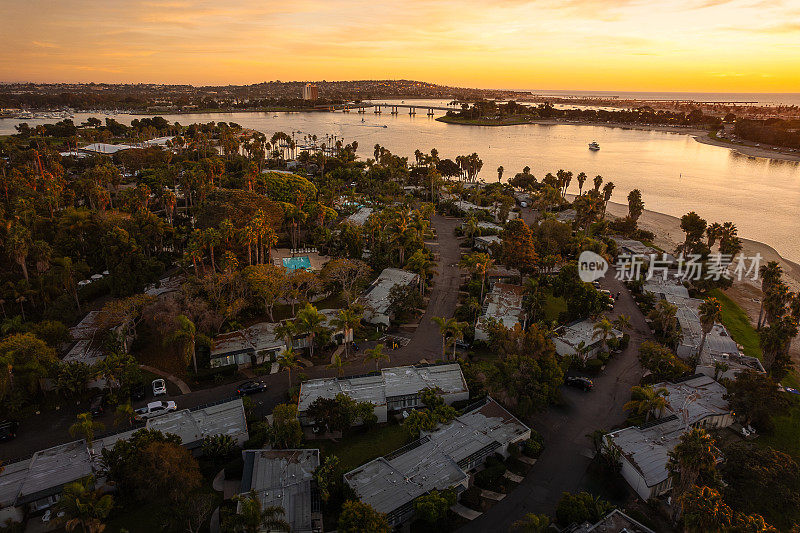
(155, 409)
(579, 382)
(97, 406)
(251, 387)
(138, 392)
(8, 430)
(159, 387)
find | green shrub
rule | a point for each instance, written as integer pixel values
(472, 498)
(532, 448)
(594, 366)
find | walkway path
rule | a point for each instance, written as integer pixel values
(184, 388)
(568, 451)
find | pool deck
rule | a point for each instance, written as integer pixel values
(315, 259)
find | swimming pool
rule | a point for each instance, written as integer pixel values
(293, 263)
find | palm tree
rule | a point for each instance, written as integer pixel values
(645, 400)
(603, 329)
(86, 426)
(479, 264)
(420, 264)
(347, 320)
(582, 351)
(443, 331)
(770, 276)
(456, 330)
(288, 361)
(622, 322)
(83, 505)
(376, 354)
(710, 312)
(123, 412)
(253, 518)
(500, 170)
(581, 180)
(692, 463)
(309, 321)
(338, 363)
(186, 336)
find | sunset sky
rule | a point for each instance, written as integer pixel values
(667, 45)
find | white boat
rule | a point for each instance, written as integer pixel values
(593, 146)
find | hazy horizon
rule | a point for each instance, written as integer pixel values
(633, 45)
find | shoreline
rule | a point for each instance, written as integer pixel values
(699, 135)
(668, 235)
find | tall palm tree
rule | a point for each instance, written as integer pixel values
(770, 275)
(456, 330)
(310, 322)
(500, 170)
(645, 400)
(286, 331)
(692, 463)
(444, 329)
(253, 518)
(84, 506)
(376, 354)
(347, 320)
(710, 312)
(603, 329)
(187, 337)
(87, 427)
(338, 364)
(288, 361)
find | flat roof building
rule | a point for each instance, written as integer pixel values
(503, 304)
(437, 460)
(285, 478)
(376, 298)
(572, 335)
(391, 389)
(359, 218)
(485, 243)
(644, 450)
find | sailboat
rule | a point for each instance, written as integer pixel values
(593, 146)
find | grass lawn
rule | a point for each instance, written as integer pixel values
(356, 449)
(786, 436)
(553, 306)
(738, 325)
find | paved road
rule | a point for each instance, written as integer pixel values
(52, 427)
(426, 342)
(568, 452)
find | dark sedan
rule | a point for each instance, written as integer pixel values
(251, 387)
(579, 383)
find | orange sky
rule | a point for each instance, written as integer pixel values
(664, 45)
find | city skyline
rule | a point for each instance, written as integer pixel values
(623, 45)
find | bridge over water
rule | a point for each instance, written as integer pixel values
(394, 109)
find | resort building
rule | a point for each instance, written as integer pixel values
(390, 390)
(485, 243)
(580, 337)
(504, 305)
(35, 483)
(644, 450)
(285, 478)
(717, 342)
(376, 298)
(486, 228)
(260, 343)
(438, 460)
(727, 365)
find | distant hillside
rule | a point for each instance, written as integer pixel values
(266, 94)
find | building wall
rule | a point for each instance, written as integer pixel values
(635, 480)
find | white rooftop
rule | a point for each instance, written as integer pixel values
(391, 382)
(376, 297)
(503, 304)
(437, 460)
(283, 478)
(359, 218)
